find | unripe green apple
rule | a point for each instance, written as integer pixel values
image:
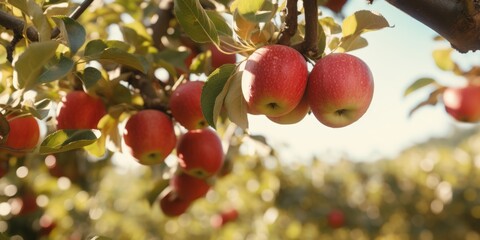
(219, 58)
(173, 206)
(294, 116)
(200, 152)
(23, 136)
(462, 103)
(186, 107)
(149, 136)
(188, 187)
(78, 110)
(340, 89)
(274, 80)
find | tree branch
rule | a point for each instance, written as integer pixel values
(310, 44)
(456, 21)
(160, 26)
(17, 26)
(74, 15)
(291, 23)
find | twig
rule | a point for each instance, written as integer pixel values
(290, 23)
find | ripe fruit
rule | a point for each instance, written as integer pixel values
(219, 220)
(78, 110)
(24, 134)
(172, 205)
(274, 80)
(336, 219)
(296, 115)
(188, 187)
(185, 105)
(340, 89)
(462, 103)
(219, 58)
(335, 5)
(149, 136)
(200, 152)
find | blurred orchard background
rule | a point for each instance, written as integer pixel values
(387, 176)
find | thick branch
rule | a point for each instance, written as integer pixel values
(17, 26)
(310, 44)
(291, 23)
(456, 21)
(160, 27)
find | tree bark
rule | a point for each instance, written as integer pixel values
(458, 21)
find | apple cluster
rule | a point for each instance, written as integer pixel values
(276, 83)
(150, 137)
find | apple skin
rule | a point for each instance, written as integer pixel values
(274, 80)
(219, 58)
(173, 206)
(296, 115)
(186, 107)
(149, 136)
(78, 110)
(336, 219)
(335, 5)
(462, 103)
(23, 136)
(219, 220)
(340, 89)
(200, 153)
(188, 187)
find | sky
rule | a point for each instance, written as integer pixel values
(397, 56)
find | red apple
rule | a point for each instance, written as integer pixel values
(336, 219)
(78, 110)
(149, 136)
(186, 107)
(219, 58)
(335, 5)
(188, 187)
(340, 89)
(294, 116)
(173, 206)
(23, 136)
(462, 103)
(274, 80)
(200, 152)
(219, 220)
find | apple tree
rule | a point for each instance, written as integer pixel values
(167, 86)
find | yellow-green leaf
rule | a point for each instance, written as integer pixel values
(214, 92)
(362, 21)
(72, 31)
(30, 64)
(234, 103)
(419, 83)
(442, 58)
(66, 140)
(195, 21)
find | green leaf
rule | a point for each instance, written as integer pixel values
(95, 47)
(255, 10)
(220, 23)
(214, 92)
(195, 21)
(120, 56)
(30, 64)
(91, 76)
(418, 84)
(363, 21)
(72, 31)
(66, 140)
(350, 43)
(442, 58)
(235, 103)
(56, 71)
(35, 14)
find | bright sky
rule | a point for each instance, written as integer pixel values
(396, 56)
